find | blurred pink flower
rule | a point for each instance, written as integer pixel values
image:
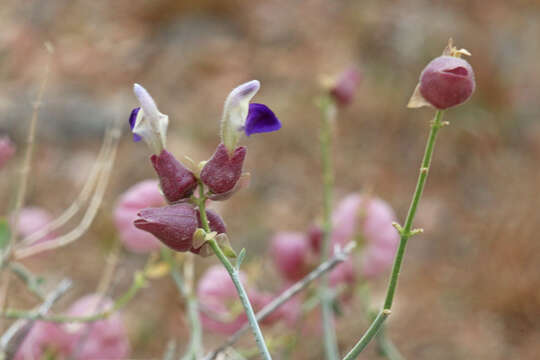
(103, 339)
(7, 149)
(373, 222)
(221, 310)
(345, 86)
(291, 253)
(32, 219)
(141, 195)
(44, 338)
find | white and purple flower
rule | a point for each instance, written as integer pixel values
(239, 116)
(147, 123)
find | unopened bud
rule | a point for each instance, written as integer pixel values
(222, 171)
(176, 181)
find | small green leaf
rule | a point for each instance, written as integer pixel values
(240, 258)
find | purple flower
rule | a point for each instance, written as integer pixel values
(240, 116)
(222, 172)
(261, 119)
(147, 123)
(176, 181)
(174, 225)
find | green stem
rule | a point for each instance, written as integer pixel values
(405, 234)
(195, 346)
(138, 283)
(235, 277)
(330, 340)
(386, 346)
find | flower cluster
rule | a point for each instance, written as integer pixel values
(221, 310)
(177, 223)
(366, 220)
(103, 339)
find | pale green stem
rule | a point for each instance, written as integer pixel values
(138, 283)
(235, 277)
(405, 234)
(195, 346)
(330, 340)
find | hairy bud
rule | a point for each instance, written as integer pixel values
(176, 181)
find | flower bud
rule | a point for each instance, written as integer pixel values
(102, 339)
(174, 225)
(176, 181)
(141, 195)
(344, 89)
(291, 251)
(445, 82)
(7, 149)
(222, 172)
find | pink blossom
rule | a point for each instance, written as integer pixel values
(345, 87)
(221, 310)
(372, 221)
(291, 254)
(44, 338)
(141, 195)
(33, 219)
(103, 339)
(7, 149)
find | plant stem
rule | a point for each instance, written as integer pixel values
(330, 340)
(195, 347)
(138, 282)
(340, 256)
(235, 277)
(405, 234)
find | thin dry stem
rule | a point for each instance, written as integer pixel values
(83, 197)
(90, 213)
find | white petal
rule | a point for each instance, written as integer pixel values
(235, 112)
(147, 103)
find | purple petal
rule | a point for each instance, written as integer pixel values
(132, 119)
(261, 119)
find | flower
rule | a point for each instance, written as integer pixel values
(344, 88)
(147, 123)
(446, 81)
(177, 182)
(371, 219)
(44, 339)
(222, 172)
(102, 339)
(221, 308)
(291, 254)
(141, 195)
(31, 220)
(174, 225)
(241, 116)
(7, 149)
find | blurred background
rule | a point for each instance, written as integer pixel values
(470, 283)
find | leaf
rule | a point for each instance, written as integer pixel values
(240, 258)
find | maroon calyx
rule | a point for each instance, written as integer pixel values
(177, 182)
